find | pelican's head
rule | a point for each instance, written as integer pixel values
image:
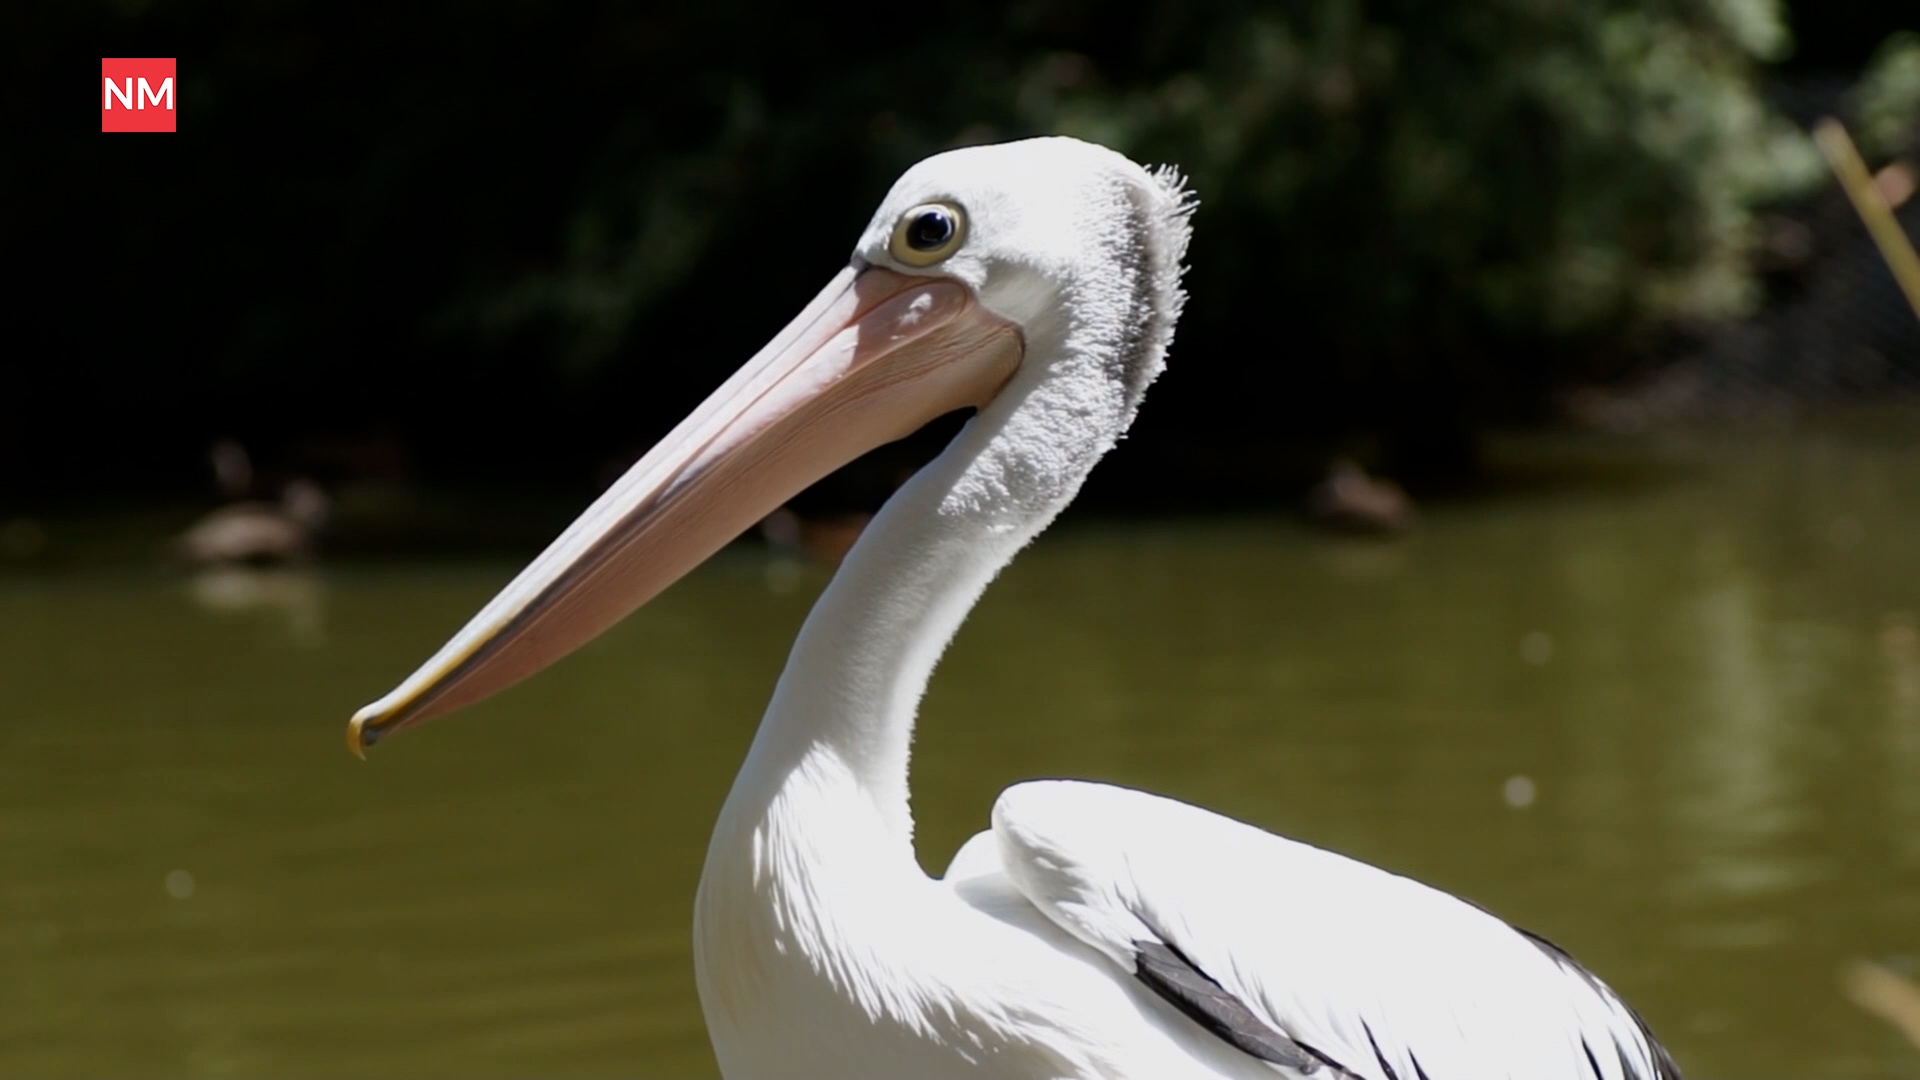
(1035, 281)
(1053, 235)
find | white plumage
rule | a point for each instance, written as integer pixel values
(1094, 931)
(1376, 972)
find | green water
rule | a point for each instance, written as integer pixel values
(1702, 662)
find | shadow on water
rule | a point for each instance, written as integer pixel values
(1667, 713)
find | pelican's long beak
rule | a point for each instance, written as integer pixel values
(873, 358)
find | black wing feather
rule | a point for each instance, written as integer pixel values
(1167, 972)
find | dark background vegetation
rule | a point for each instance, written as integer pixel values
(503, 244)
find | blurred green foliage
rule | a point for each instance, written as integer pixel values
(1887, 98)
(1532, 168)
(1462, 196)
(397, 221)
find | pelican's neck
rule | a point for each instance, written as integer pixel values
(841, 719)
(845, 704)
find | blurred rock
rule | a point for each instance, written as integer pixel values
(1351, 501)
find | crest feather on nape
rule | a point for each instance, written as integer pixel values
(1169, 226)
(1176, 230)
(1174, 182)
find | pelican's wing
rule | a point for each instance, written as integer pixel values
(1308, 960)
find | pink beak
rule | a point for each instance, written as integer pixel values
(874, 357)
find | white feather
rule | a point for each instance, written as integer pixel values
(1339, 955)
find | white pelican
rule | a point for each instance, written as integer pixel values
(1093, 931)
(259, 533)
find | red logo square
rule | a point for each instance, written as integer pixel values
(137, 95)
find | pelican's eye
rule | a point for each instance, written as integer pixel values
(929, 233)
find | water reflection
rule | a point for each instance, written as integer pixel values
(1900, 654)
(1672, 725)
(292, 598)
(1737, 791)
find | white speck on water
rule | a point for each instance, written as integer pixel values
(179, 884)
(1536, 647)
(1518, 791)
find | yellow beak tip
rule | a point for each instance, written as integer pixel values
(356, 737)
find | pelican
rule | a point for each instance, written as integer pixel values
(259, 533)
(1092, 931)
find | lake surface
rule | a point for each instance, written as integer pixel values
(1660, 704)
